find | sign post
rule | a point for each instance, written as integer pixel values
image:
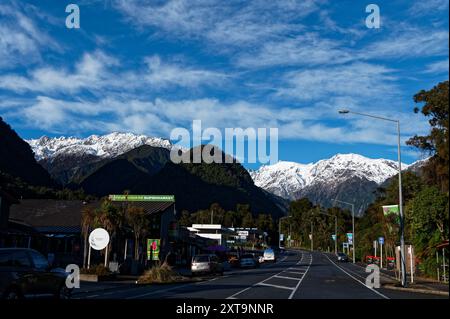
(381, 241)
(98, 240)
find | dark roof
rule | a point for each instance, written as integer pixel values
(48, 212)
(148, 206)
(58, 229)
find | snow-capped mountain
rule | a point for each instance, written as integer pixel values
(105, 146)
(282, 178)
(349, 177)
(70, 159)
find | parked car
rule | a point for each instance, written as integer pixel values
(26, 272)
(269, 255)
(206, 264)
(248, 261)
(342, 257)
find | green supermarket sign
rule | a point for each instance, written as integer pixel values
(142, 198)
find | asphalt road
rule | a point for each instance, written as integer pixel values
(296, 275)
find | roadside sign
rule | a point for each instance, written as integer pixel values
(153, 246)
(381, 240)
(350, 238)
(99, 239)
(333, 237)
(281, 237)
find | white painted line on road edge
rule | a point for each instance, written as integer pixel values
(377, 292)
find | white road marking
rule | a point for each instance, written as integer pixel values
(286, 277)
(377, 292)
(303, 277)
(279, 275)
(295, 272)
(275, 286)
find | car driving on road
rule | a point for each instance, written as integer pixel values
(26, 272)
(248, 261)
(342, 257)
(269, 255)
(206, 264)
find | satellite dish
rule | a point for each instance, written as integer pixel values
(99, 239)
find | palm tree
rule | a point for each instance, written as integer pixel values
(87, 219)
(110, 218)
(137, 220)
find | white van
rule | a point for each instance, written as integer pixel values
(269, 255)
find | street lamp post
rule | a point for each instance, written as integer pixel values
(353, 226)
(400, 199)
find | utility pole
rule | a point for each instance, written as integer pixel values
(312, 236)
(400, 195)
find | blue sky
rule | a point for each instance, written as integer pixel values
(150, 66)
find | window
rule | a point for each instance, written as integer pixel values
(201, 259)
(39, 261)
(21, 259)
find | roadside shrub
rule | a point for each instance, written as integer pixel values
(159, 274)
(98, 270)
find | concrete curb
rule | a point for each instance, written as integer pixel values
(418, 290)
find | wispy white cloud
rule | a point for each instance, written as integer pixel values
(220, 22)
(409, 42)
(163, 74)
(308, 49)
(100, 73)
(159, 116)
(358, 80)
(428, 7)
(438, 67)
(21, 40)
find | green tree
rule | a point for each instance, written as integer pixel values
(428, 213)
(435, 107)
(138, 221)
(87, 219)
(185, 219)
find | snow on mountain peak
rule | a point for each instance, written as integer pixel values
(285, 179)
(104, 146)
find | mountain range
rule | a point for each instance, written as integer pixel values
(351, 178)
(111, 164)
(106, 164)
